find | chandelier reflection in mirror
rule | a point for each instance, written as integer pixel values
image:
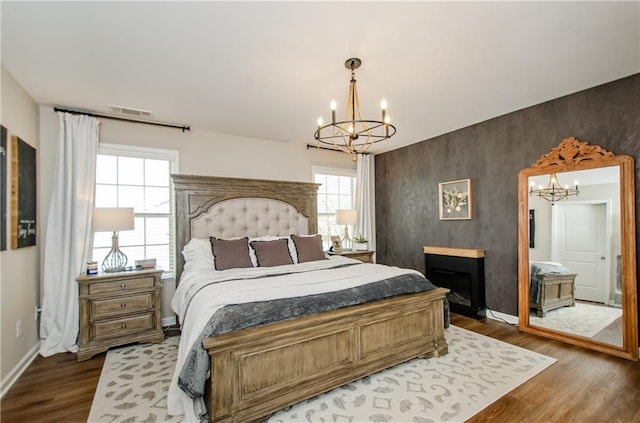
(354, 134)
(554, 192)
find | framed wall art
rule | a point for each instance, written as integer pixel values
(455, 200)
(23, 194)
(3, 187)
(532, 228)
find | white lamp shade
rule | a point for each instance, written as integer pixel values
(108, 219)
(346, 217)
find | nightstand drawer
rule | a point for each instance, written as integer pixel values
(121, 327)
(121, 285)
(116, 306)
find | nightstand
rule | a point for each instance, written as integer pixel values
(119, 308)
(363, 256)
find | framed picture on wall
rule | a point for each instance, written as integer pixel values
(23, 194)
(532, 228)
(455, 200)
(3, 187)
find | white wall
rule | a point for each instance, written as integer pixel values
(19, 269)
(201, 153)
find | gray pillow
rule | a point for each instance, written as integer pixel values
(272, 253)
(230, 253)
(309, 248)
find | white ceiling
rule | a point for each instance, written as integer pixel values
(269, 69)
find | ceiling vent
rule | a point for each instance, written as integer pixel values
(129, 111)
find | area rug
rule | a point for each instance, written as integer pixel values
(582, 319)
(477, 371)
(134, 383)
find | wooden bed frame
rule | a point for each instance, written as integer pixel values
(258, 371)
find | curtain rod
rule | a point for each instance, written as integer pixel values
(100, 115)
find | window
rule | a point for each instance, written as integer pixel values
(338, 191)
(139, 178)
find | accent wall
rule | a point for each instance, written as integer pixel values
(491, 154)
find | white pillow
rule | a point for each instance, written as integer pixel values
(198, 255)
(292, 248)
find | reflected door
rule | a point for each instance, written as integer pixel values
(581, 245)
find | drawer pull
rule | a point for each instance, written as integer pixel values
(123, 326)
(123, 285)
(123, 305)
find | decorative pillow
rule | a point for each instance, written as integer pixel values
(292, 247)
(308, 248)
(230, 253)
(197, 254)
(272, 253)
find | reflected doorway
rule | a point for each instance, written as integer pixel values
(581, 242)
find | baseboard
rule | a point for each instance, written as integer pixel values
(502, 317)
(168, 321)
(19, 369)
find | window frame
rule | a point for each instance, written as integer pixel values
(334, 171)
(172, 156)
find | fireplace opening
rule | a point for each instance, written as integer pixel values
(458, 283)
(462, 272)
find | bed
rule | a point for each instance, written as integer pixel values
(552, 286)
(256, 370)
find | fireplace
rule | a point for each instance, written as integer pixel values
(462, 272)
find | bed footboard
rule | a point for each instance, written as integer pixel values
(258, 371)
(556, 290)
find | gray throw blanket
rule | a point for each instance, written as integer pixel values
(235, 317)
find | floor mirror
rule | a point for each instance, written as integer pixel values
(576, 249)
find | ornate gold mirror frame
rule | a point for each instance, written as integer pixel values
(572, 155)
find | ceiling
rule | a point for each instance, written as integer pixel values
(268, 70)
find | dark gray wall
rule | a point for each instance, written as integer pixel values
(491, 154)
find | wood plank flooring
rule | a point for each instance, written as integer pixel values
(584, 386)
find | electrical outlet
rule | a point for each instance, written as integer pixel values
(18, 328)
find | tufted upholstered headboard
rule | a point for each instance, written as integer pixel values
(234, 207)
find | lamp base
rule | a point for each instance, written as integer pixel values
(116, 260)
(347, 244)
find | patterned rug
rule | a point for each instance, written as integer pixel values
(582, 319)
(477, 371)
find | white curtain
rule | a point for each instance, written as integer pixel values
(68, 237)
(364, 199)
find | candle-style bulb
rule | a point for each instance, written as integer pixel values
(333, 111)
(320, 122)
(383, 104)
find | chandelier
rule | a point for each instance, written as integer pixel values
(354, 134)
(554, 191)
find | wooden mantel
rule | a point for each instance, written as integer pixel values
(456, 252)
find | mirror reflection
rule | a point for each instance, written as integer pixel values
(575, 253)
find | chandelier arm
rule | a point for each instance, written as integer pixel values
(344, 132)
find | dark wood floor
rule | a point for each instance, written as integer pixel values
(583, 386)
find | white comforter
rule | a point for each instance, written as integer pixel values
(238, 286)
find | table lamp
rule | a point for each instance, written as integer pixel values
(107, 219)
(346, 217)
